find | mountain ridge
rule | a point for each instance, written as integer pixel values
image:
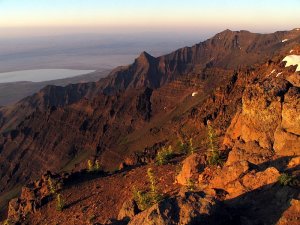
(63, 127)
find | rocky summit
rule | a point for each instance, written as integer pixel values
(208, 134)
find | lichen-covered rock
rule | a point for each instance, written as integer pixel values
(269, 118)
(261, 112)
(291, 111)
(287, 135)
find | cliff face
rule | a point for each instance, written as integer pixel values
(149, 102)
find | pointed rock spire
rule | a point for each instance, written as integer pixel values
(145, 57)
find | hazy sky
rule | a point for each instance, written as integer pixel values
(111, 15)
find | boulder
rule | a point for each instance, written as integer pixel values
(13, 214)
(233, 132)
(226, 178)
(294, 162)
(191, 167)
(189, 208)
(261, 112)
(256, 180)
(129, 209)
(286, 144)
(32, 197)
(294, 79)
(269, 118)
(291, 215)
(249, 151)
(287, 135)
(237, 179)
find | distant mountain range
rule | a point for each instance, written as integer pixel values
(14, 91)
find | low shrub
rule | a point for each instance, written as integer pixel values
(215, 159)
(286, 180)
(191, 185)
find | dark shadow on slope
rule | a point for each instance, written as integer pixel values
(85, 175)
(82, 177)
(262, 206)
(280, 164)
(77, 201)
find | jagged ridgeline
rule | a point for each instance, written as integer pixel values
(234, 86)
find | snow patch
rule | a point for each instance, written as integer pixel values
(292, 60)
(194, 93)
(284, 40)
(278, 74)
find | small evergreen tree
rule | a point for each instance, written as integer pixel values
(60, 203)
(142, 199)
(186, 147)
(214, 154)
(51, 186)
(153, 188)
(97, 165)
(164, 155)
(90, 165)
(183, 147)
(191, 147)
(148, 198)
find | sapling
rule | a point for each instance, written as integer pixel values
(214, 154)
(60, 203)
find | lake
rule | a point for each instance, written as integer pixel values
(40, 75)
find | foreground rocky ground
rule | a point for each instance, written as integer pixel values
(194, 193)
